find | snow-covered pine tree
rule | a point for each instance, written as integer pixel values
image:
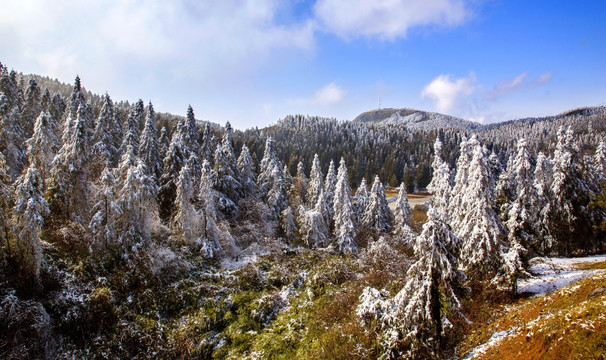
(570, 218)
(175, 158)
(402, 216)
(480, 229)
(207, 197)
(361, 200)
(329, 186)
(106, 212)
(377, 215)
(246, 167)
(523, 213)
(191, 131)
(316, 182)
(69, 186)
(314, 226)
(137, 199)
(298, 190)
(271, 181)
(57, 107)
(149, 147)
(344, 217)
(108, 134)
(415, 320)
(163, 142)
(440, 185)
(543, 177)
(187, 225)
(456, 205)
(228, 185)
(207, 148)
(505, 189)
(43, 145)
(11, 132)
(5, 194)
(599, 161)
(29, 211)
(131, 133)
(31, 108)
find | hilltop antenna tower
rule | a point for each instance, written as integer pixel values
(379, 102)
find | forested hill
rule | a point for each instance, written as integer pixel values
(399, 153)
(415, 119)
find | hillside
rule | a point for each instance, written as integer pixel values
(415, 119)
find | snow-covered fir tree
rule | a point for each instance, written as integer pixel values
(377, 215)
(163, 142)
(570, 216)
(271, 181)
(543, 177)
(599, 161)
(440, 185)
(316, 182)
(108, 134)
(330, 185)
(415, 319)
(137, 199)
(480, 229)
(207, 147)
(106, 212)
(131, 133)
(175, 158)
(5, 204)
(402, 218)
(344, 217)
(190, 135)
(314, 226)
(246, 167)
(228, 175)
(187, 224)
(43, 145)
(29, 211)
(523, 213)
(31, 108)
(149, 146)
(457, 206)
(207, 197)
(361, 200)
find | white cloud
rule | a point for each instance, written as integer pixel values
(507, 87)
(106, 41)
(327, 95)
(448, 94)
(387, 19)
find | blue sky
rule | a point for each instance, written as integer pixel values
(252, 62)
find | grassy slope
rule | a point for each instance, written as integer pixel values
(567, 324)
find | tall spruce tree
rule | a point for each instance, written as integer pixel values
(377, 215)
(344, 217)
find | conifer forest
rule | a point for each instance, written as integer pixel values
(131, 234)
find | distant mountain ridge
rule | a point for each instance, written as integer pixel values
(415, 119)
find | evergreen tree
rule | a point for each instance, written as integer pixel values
(107, 135)
(246, 167)
(31, 108)
(271, 180)
(106, 213)
(5, 205)
(191, 131)
(361, 200)
(175, 158)
(402, 216)
(543, 176)
(523, 213)
(163, 142)
(149, 147)
(416, 317)
(137, 199)
(131, 133)
(329, 186)
(227, 185)
(480, 229)
(207, 196)
(316, 182)
(344, 217)
(187, 224)
(599, 161)
(30, 209)
(43, 145)
(314, 228)
(11, 134)
(457, 207)
(440, 185)
(377, 215)
(570, 219)
(207, 148)
(57, 107)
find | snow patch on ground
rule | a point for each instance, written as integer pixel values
(551, 274)
(494, 339)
